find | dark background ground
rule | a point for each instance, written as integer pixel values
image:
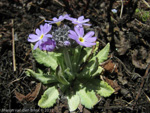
(127, 69)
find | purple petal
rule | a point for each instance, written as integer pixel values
(33, 38)
(80, 18)
(86, 20)
(40, 42)
(55, 19)
(87, 24)
(77, 30)
(42, 29)
(60, 17)
(36, 45)
(66, 16)
(66, 43)
(38, 32)
(46, 28)
(81, 31)
(91, 39)
(72, 32)
(48, 35)
(74, 37)
(89, 44)
(89, 34)
(79, 25)
(44, 38)
(48, 21)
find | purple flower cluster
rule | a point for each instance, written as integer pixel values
(85, 40)
(47, 42)
(42, 37)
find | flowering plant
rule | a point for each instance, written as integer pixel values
(73, 59)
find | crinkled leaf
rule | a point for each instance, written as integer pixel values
(102, 88)
(44, 78)
(103, 54)
(105, 89)
(47, 59)
(88, 98)
(49, 97)
(73, 102)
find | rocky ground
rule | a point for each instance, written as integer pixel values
(126, 70)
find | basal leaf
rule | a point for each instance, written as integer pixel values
(49, 97)
(47, 59)
(73, 102)
(105, 89)
(44, 78)
(85, 53)
(89, 69)
(75, 56)
(60, 76)
(103, 54)
(88, 98)
(99, 70)
(70, 76)
(96, 48)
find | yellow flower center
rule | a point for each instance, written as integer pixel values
(58, 23)
(81, 39)
(41, 36)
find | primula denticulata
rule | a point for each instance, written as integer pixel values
(71, 53)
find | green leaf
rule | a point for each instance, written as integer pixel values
(75, 56)
(70, 76)
(96, 48)
(47, 59)
(89, 69)
(85, 53)
(49, 97)
(60, 76)
(88, 98)
(103, 54)
(105, 90)
(73, 102)
(99, 70)
(44, 78)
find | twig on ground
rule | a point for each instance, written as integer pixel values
(59, 3)
(148, 98)
(13, 47)
(121, 8)
(142, 84)
(131, 74)
(146, 3)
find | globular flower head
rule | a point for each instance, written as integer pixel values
(60, 35)
(48, 45)
(86, 40)
(58, 20)
(80, 21)
(41, 35)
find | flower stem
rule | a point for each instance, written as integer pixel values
(67, 59)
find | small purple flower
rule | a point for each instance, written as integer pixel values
(58, 20)
(40, 36)
(114, 11)
(80, 21)
(48, 45)
(88, 40)
(66, 43)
